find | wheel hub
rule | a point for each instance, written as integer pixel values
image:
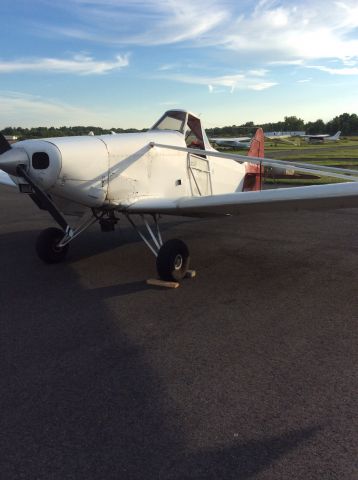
(178, 262)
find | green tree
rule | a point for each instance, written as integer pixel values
(293, 124)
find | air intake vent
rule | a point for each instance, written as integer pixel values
(40, 160)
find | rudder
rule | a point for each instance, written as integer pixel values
(253, 176)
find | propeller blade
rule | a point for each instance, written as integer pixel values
(11, 158)
(4, 144)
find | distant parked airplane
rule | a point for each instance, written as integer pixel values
(233, 142)
(282, 137)
(245, 142)
(291, 133)
(322, 137)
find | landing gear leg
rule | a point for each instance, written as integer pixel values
(172, 256)
(52, 244)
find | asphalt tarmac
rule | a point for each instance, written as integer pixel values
(248, 371)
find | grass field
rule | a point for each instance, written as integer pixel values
(342, 154)
(301, 145)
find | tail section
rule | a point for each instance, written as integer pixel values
(257, 147)
(254, 173)
(336, 136)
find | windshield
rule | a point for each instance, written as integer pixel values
(171, 121)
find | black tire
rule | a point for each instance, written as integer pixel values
(173, 260)
(46, 246)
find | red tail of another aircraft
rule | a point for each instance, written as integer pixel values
(253, 177)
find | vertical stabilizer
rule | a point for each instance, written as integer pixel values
(253, 177)
(257, 147)
(336, 136)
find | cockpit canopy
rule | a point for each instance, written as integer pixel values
(187, 124)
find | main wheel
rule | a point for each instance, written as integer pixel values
(46, 246)
(173, 260)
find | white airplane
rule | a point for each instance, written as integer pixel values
(233, 142)
(245, 142)
(292, 133)
(276, 137)
(324, 137)
(170, 169)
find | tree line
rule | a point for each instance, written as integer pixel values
(347, 123)
(46, 132)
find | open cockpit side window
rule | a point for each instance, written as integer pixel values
(194, 135)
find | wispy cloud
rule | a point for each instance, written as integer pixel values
(273, 30)
(267, 33)
(292, 31)
(230, 82)
(297, 62)
(79, 65)
(336, 71)
(142, 22)
(168, 66)
(258, 73)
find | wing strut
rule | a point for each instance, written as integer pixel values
(154, 242)
(343, 174)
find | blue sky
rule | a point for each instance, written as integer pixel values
(115, 63)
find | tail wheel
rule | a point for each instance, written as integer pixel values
(173, 260)
(47, 246)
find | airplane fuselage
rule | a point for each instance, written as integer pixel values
(112, 170)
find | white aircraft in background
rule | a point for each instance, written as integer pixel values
(170, 169)
(245, 142)
(232, 142)
(322, 137)
(282, 137)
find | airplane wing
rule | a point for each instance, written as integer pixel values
(318, 197)
(5, 179)
(237, 142)
(316, 136)
(336, 195)
(233, 139)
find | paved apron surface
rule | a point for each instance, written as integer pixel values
(248, 371)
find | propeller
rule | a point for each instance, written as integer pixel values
(11, 158)
(14, 161)
(4, 144)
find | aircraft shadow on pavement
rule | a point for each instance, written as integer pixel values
(79, 399)
(91, 242)
(17, 252)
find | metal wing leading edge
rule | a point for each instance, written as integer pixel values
(339, 195)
